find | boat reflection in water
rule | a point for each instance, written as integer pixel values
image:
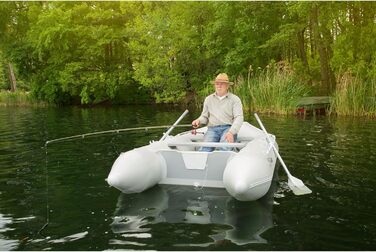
(239, 222)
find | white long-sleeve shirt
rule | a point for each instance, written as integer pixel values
(228, 110)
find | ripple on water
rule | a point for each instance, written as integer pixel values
(138, 235)
(125, 242)
(70, 238)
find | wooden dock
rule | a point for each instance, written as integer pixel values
(314, 105)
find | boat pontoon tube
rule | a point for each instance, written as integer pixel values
(137, 170)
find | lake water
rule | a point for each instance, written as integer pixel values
(335, 157)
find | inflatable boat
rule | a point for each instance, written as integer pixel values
(245, 172)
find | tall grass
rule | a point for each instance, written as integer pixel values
(272, 90)
(354, 97)
(19, 98)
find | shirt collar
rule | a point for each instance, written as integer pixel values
(226, 95)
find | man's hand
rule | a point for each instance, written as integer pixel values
(229, 137)
(196, 123)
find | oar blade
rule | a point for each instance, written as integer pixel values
(297, 186)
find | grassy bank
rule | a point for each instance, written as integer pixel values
(272, 90)
(354, 97)
(277, 90)
(19, 98)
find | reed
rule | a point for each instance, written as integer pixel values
(19, 98)
(353, 96)
(272, 90)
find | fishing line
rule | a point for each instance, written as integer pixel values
(47, 194)
(82, 136)
(114, 146)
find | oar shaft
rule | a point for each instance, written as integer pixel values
(173, 126)
(295, 184)
(279, 157)
(271, 143)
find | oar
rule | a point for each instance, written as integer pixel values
(173, 126)
(295, 184)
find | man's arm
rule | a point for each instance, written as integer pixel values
(204, 117)
(237, 111)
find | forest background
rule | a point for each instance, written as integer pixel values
(169, 52)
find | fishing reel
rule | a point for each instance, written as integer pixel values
(194, 130)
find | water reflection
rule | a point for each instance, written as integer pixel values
(5, 243)
(240, 222)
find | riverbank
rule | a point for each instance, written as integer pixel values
(270, 92)
(20, 99)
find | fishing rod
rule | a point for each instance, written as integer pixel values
(113, 131)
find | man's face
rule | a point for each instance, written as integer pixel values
(221, 88)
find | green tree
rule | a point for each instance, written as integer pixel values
(13, 45)
(238, 32)
(3, 81)
(92, 52)
(82, 52)
(167, 51)
(354, 47)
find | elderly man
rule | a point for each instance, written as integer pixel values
(222, 112)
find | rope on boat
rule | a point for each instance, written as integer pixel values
(112, 131)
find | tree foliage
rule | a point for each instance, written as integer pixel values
(92, 52)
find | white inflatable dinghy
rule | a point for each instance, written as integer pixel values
(246, 172)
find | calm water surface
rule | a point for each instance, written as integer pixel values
(65, 183)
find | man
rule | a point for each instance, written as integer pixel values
(222, 112)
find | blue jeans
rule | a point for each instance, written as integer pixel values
(217, 134)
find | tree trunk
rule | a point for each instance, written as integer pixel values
(325, 70)
(12, 78)
(302, 52)
(311, 40)
(301, 47)
(356, 25)
(328, 41)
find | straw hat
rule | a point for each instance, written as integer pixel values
(222, 77)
